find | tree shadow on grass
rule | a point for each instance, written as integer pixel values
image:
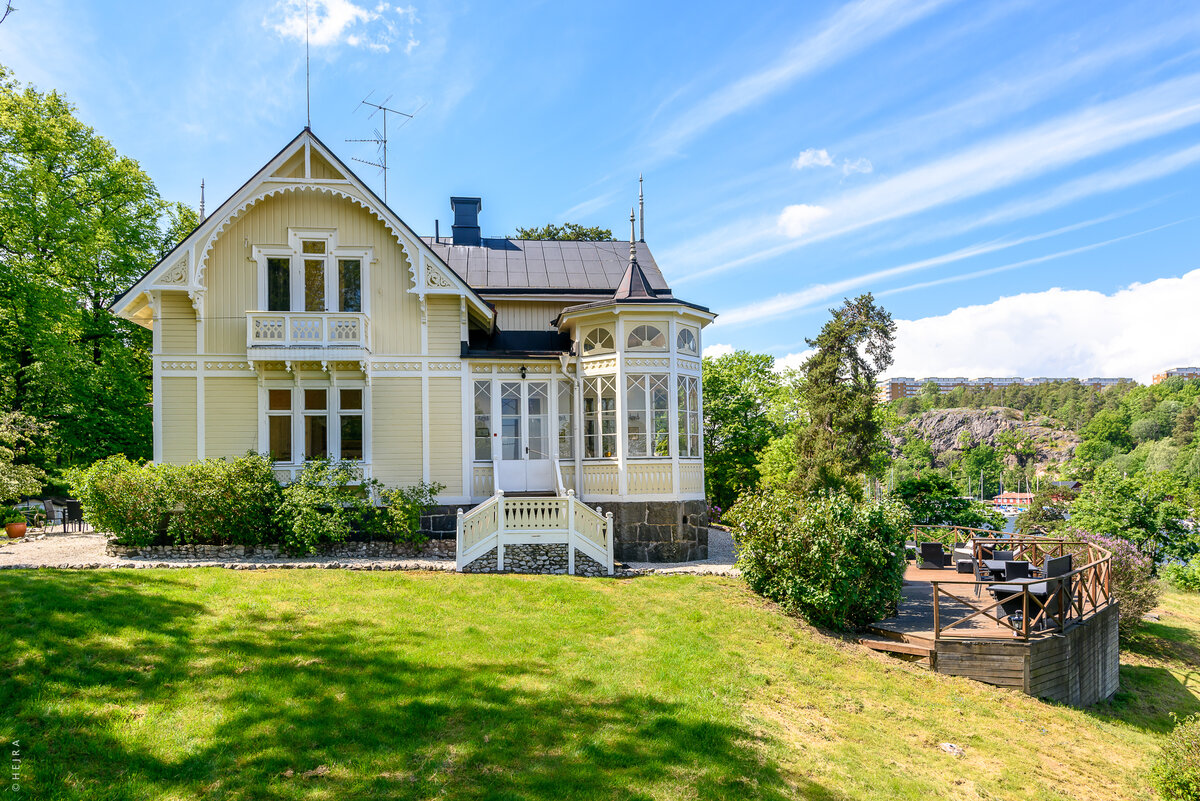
(1148, 696)
(293, 696)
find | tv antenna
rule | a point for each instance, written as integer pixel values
(380, 138)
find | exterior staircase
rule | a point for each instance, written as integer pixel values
(910, 648)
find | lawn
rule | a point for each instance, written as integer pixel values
(319, 684)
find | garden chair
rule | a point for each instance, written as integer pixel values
(933, 556)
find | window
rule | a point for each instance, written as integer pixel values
(279, 424)
(689, 416)
(510, 420)
(483, 421)
(566, 411)
(314, 285)
(350, 424)
(349, 285)
(686, 341)
(648, 412)
(646, 337)
(316, 424)
(600, 417)
(279, 284)
(598, 340)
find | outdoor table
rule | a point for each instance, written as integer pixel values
(997, 567)
(1013, 605)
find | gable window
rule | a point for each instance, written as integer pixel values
(600, 417)
(598, 340)
(648, 421)
(686, 341)
(312, 274)
(646, 337)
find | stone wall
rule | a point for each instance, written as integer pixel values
(544, 559)
(659, 531)
(437, 548)
(438, 522)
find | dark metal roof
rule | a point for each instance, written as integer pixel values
(634, 284)
(516, 265)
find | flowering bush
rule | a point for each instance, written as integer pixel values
(221, 502)
(1176, 773)
(838, 563)
(1132, 582)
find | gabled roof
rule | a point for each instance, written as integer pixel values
(183, 268)
(523, 266)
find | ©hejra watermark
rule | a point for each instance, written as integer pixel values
(16, 767)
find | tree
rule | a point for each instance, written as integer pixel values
(934, 501)
(1142, 509)
(739, 390)
(1048, 511)
(843, 439)
(18, 433)
(569, 232)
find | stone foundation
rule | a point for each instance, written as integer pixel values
(544, 559)
(435, 548)
(659, 531)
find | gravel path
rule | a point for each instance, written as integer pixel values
(86, 551)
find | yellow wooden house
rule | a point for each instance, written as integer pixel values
(304, 319)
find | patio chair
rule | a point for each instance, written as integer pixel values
(73, 514)
(1015, 570)
(1003, 556)
(54, 512)
(933, 556)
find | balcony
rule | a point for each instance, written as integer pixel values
(302, 335)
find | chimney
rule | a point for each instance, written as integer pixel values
(466, 220)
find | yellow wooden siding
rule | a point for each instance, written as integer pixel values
(178, 323)
(232, 274)
(178, 405)
(293, 167)
(320, 168)
(445, 331)
(230, 416)
(445, 433)
(522, 315)
(396, 430)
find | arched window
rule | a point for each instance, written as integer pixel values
(597, 340)
(646, 337)
(686, 341)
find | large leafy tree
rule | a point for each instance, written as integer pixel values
(79, 223)
(566, 232)
(843, 439)
(741, 390)
(934, 501)
(1141, 508)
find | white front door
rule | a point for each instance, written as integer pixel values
(525, 437)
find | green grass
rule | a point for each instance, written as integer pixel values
(220, 684)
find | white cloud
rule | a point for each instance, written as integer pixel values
(334, 22)
(716, 351)
(1134, 332)
(792, 361)
(813, 158)
(863, 166)
(796, 220)
(853, 27)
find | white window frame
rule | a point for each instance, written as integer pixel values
(694, 351)
(600, 349)
(662, 328)
(642, 381)
(686, 416)
(334, 253)
(333, 421)
(600, 416)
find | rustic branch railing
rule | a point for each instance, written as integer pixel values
(1065, 599)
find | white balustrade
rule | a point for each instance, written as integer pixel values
(307, 329)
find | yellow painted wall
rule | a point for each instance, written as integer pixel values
(178, 322)
(445, 433)
(396, 430)
(525, 315)
(178, 404)
(445, 329)
(232, 277)
(230, 416)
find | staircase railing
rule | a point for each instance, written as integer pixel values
(499, 522)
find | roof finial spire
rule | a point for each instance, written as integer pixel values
(641, 210)
(632, 244)
(201, 200)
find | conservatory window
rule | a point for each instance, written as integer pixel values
(483, 421)
(566, 411)
(598, 340)
(646, 337)
(600, 417)
(686, 341)
(689, 415)
(647, 404)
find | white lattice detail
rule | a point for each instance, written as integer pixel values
(268, 329)
(344, 329)
(600, 479)
(652, 478)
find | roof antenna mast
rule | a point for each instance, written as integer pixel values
(307, 80)
(641, 211)
(380, 139)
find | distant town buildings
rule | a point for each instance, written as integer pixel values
(892, 388)
(1181, 372)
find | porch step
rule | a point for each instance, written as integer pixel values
(532, 494)
(879, 632)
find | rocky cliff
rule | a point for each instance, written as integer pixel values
(943, 428)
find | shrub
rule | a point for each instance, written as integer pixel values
(838, 563)
(402, 513)
(321, 506)
(1176, 772)
(123, 498)
(1183, 577)
(223, 502)
(1131, 583)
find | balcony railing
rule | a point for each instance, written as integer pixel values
(307, 330)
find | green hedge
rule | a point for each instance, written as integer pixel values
(241, 502)
(1176, 772)
(838, 563)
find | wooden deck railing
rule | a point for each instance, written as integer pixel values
(1068, 599)
(499, 522)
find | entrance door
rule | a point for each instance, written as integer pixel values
(525, 463)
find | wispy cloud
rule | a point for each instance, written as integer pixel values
(792, 302)
(858, 165)
(813, 158)
(850, 29)
(335, 22)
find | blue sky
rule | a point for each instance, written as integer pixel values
(1016, 180)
